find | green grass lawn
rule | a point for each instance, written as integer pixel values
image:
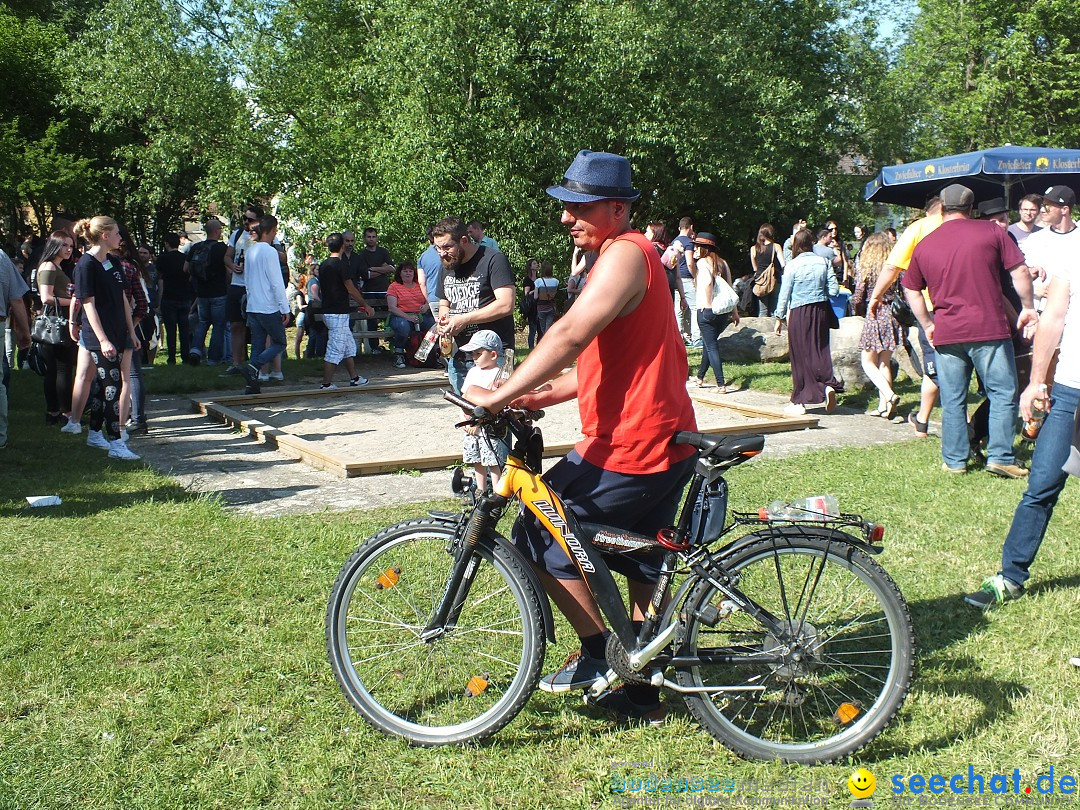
(158, 652)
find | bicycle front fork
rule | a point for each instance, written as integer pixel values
(466, 562)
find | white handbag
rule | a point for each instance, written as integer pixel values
(725, 299)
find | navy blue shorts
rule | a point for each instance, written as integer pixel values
(636, 503)
(929, 355)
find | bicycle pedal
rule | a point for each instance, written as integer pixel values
(602, 684)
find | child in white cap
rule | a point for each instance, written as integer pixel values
(486, 453)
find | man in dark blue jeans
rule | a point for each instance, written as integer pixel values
(1046, 479)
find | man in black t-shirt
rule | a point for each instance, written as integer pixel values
(338, 285)
(476, 291)
(209, 277)
(378, 269)
(176, 296)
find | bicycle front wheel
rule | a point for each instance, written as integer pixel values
(821, 685)
(464, 683)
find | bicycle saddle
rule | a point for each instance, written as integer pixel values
(722, 447)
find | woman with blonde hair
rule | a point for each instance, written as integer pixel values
(53, 286)
(881, 333)
(105, 327)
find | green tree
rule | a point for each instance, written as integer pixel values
(977, 74)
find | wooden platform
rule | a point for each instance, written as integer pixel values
(403, 424)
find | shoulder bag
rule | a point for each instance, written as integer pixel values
(724, 298)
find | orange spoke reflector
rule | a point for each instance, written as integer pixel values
(476, 685)
(846, 713)
(388, 578)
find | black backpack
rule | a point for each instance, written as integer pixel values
(199, 260)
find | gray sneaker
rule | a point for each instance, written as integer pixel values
(994, 591)
(580, 671)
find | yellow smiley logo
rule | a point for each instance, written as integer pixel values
(862, 784)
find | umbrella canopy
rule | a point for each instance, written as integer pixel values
(1006, 171)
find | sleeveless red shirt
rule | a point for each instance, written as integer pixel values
(632, 382)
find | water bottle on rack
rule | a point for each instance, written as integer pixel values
(1033, 425)
(816, 507)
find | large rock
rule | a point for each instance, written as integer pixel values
(753, 341)
(846, 355)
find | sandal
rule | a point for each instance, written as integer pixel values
(890, 407)
(700, 383)
(876, 412)
(922, 429)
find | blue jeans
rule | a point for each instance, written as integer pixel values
(138, 390)
(996, 364)
(211, 314)
(265, 325)
(544, 320)
(681, 315)
(457, 368)
(711, 326)
(403, 327)
(1045, 482)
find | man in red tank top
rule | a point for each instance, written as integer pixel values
(630, 383)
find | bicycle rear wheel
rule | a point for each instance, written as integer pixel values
(846, 650)
(467, 682)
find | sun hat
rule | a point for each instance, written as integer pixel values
(705, 239)
(988, 208)
(484, 339)
(596, 176)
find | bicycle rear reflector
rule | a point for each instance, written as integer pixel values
(388, 578)
(846, 713)
(476, 685)
(876, 533)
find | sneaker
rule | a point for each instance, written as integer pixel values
(579, 671)
(399, 361)
(123, 435)
(614, 701)
(1075, 662)
(119, 449)
(1007, 470)
(251, 374)
(994, 591)
(277, 375)
(358, 380)
(794, 409)
(264, 376)
(327, 387)
(137, 428)
(376, 351)
(94, 438)
(231, 370)
(830, 399)
(954, 470)
(74, 428)
(194, 359)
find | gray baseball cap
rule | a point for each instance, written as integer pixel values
(484, 339)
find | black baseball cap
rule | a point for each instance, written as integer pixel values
(1060, 195)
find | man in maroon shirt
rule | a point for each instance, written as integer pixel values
(962, 263)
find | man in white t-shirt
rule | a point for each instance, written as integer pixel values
(1029, 212)
(1059, 325)
(1057, 245)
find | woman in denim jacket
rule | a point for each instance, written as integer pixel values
(807, 283)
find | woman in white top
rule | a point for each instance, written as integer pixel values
(711, 272)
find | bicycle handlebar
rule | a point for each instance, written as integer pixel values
(483, 416)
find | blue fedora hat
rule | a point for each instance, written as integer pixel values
(596, 176)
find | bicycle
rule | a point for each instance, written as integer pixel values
(787, 642)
